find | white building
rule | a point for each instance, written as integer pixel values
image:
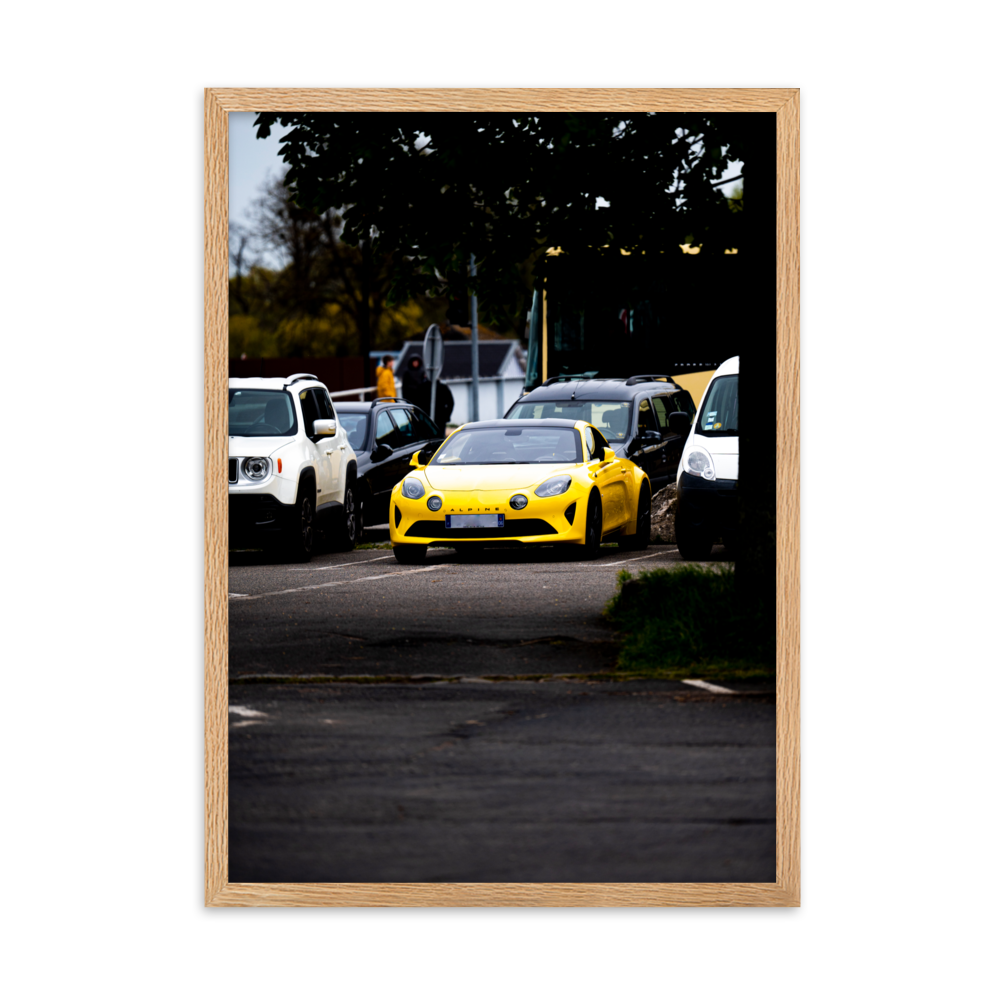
(501, 375)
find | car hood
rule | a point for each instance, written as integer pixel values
(244, 447)
(492, 477)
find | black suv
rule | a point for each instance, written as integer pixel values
(645, 418)
(385, 435)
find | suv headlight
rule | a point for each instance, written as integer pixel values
(256, 468)
(699, 463)
(413, 489)
(553, 487)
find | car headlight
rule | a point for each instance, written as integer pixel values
(699, 463)
(434, 503)
(519, 501)
(554, 486)
(256, 468)
(413, 489)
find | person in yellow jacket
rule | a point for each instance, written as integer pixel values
(385, 381)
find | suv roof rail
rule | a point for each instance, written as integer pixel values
(299, 377)
(582, 377)
(394, 399)
(649, 378)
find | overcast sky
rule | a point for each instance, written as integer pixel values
(253, 161)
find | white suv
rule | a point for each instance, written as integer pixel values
(291, 468)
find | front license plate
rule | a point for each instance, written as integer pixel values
(473, 520)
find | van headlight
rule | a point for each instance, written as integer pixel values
(553, 487)
(699, 463)
(413, 489)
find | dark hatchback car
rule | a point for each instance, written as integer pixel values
(645, 418)
(385, 435)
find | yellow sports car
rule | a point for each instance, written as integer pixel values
(539, 482)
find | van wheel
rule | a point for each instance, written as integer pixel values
(694, 544)
(732, 544)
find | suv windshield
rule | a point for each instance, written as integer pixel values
(261, 413)
(719, 415)
(517, 446)
(610, 417)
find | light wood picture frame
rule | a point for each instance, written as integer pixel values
(219, 891)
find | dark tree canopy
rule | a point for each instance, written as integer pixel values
(436, 187)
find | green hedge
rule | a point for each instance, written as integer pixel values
(687, 622)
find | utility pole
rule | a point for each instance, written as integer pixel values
(474, 346)
(364, 313)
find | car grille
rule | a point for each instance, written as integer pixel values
(234, 474)
(513, 528)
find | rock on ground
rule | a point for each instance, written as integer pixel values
(663, 507)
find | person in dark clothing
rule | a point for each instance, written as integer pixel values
(444, 403)
(416, 384)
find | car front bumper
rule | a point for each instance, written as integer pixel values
(545, 521)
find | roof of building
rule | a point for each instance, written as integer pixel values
(497, 359)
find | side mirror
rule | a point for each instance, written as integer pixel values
(609, 455)
(424, 456)
(651, 437)
(381, 452)
(679, 423)
(325, 427)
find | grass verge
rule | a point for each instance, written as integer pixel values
(687, 622)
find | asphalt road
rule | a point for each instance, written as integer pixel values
(382, 728)
(514, 611)
(499, 782)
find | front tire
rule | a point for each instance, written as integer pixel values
(693, 544)
(301, 537)
(643, 523)
(348, 532)
(594, 529)
(409, 555)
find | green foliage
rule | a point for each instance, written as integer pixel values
(312, 306)
(689, 621)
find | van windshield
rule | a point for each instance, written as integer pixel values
(719, 416)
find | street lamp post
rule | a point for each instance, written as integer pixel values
(474, 346)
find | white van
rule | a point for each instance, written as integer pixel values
(709, 469)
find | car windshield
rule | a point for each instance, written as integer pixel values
(356, 426)
(514, 446)
(719, 416)
(610, 417)
(261, 413)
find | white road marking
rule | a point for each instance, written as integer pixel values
(246, 713)
(714, 688)
(652, 555)
(318, 569)
(334, 583)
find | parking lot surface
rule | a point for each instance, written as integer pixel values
(500, 782)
